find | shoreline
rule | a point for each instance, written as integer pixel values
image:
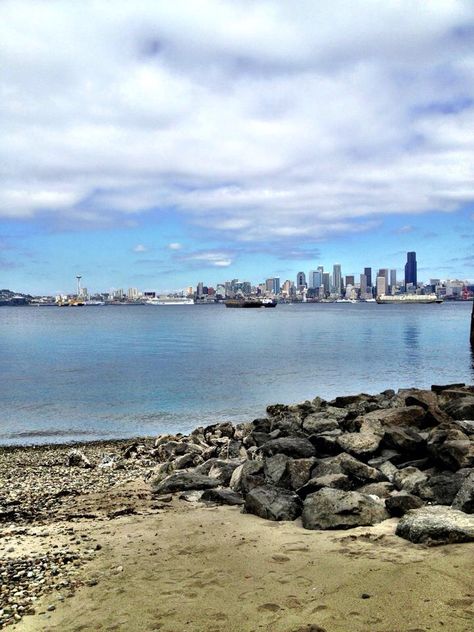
(111, 534)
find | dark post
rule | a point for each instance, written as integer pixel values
(472, 325)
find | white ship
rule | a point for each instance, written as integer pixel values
(408, 299)
(169, 300)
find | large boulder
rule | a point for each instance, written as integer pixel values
(183, 481)
(401, 502)
(404, 439)
(409, 479)
(359, 444)
(462, 408)
(464, 500)
(246, 476)
(337, 481)
(296, 447)
(222, 497)
(319, 422)
(338, 509)
(449, 446)
(436, 525)
(359, 473)
(441, 488)
(273, 503)
(401, 416)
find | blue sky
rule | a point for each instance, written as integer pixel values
(160, 144)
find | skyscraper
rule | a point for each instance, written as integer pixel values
(337, 278)
(363, 285)
(410, 269)
(393, 281)
(368, 274)
(301, 279)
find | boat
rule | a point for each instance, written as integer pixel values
(241, 302)
(268, 302)
(169, 300)
(408, 299)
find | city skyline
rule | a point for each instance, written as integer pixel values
(172, 143)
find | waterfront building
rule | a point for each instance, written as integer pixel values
(368, 274)
(326, 282)
(363, 285)
(336, 279)
(381, 285)
(393, 281)
(301, 279)
(132, 293)
(411, 269)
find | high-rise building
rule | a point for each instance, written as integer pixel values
(315, 279)
(381, 285)
(337, 278)
(393, 281)
(368, 274)
(132, 293)
(273, 285)
(200, 288)
(411, 269)
(326, 282)
(301, 279)
(363, 284)
(350, 280)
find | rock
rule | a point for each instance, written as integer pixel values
(404, 439)
(275, 470)
(449, 446)
(401, 502)
(439, 388)
(402, 416)
(296, 447)
(441, 488)
(325, 444)
(464, 500)
(246, 476)
(298, 472)
(382, 490)
(360, 444)
(337, 509)
(222, 471)
(319, 422)
(388, 469)
(273, 503)
(191, 496)
(409, 479)
(436, 525)
(185, 460)
(76, 458)
(383, 457)
(337, 481)
(461, 409)
(360, 473)
(222, 497)
(161, 471)
(417, 397)
(183, 481)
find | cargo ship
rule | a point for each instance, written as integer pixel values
(250, 302)
(408, 299)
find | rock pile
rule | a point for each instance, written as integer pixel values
(353, 461)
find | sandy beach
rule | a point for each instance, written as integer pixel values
(142, 562)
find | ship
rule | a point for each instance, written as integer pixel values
(169, 300)
(408, 299)
(250, 302)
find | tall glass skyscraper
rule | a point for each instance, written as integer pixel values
(410, 269)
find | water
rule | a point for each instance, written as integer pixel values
(102, 372)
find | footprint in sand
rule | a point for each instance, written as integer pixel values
(280, 558)
(270, 607)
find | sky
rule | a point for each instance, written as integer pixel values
(155, 144)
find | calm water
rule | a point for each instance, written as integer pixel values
(141, 370)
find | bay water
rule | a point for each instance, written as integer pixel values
(126, 371)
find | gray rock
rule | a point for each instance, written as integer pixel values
(77, 458)
(441, 488)
(462, 408)
(223, 470)
(359, 444)
(222, 497)
(298, 472)
(388, 469)
(336, 481)
(464, 500)
(436, 525)
(275, 470)
(337, 509)
(382, 490)
(401, 502)
(402, 416)
(273, 503)
(451, 447)
(319, 422)
(404, 439)
(296, 447)
(247, 476)
(360, 473)
(183, 481)
(409, 479)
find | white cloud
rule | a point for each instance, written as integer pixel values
(140, 248)
(175, 245)
(266, 120)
